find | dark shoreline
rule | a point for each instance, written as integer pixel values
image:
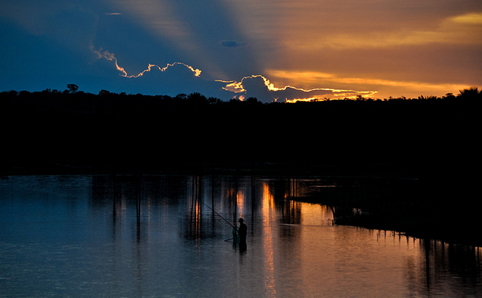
(258, 168)
(438, 207)
(435, 141)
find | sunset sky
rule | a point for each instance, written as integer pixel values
(272, 50)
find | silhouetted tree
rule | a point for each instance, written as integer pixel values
(449, 96)
(181, 96)
(197, 97)
(421, 97)
(72, 88)
(252, 100)
(213, 100)
(470, 94)
(104, 92)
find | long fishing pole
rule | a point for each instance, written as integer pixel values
(220, 216)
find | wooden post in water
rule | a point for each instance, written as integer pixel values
(138, 197)
(192, 195)
(236, 200)
(138, 205)
(212, 195)
(234, 213)
(199, 199)
(114, 196)
(253, 195)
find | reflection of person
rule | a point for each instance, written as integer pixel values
(243, 230)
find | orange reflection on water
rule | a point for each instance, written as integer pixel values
(315, 214)
(240, 202)
(268, 211)
(195, 210)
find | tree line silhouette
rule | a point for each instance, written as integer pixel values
(106, 129)
(433, 139)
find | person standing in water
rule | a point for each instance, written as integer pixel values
(243, 230)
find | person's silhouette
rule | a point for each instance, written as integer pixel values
(243, 230)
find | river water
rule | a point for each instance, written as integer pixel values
(158, 236)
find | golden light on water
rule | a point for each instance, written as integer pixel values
(268, 211)
(240, 202)
(315, 214)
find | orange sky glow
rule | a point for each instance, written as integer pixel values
(378, 48)
(274, 50)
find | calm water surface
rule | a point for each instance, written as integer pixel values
(157, 236)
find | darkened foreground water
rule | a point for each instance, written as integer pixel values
(157, 236)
